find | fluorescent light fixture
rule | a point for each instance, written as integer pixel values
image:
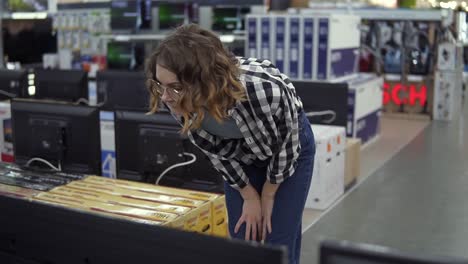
(227, 38)
(31, 82)
(32, 90)
(10, 66)
(122, 38)
(29, 15)
(31, 76)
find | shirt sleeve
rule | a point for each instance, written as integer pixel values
(283, 161)
(273, 109)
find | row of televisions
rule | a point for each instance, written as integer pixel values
(67, 132)
(50, 120)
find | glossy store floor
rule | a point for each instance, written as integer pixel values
(412, 194)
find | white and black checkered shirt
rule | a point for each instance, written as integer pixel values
(268, 120)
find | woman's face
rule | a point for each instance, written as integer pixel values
(169, 87)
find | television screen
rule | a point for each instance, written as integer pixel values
(125, 55)
(65, 135)
(64, 85)
(130, 14)
(229, 18)
(13, 83)
(122, 90)
(150, 148)
(19, 36)
(172, 15)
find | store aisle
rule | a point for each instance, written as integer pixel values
(395, 135)
(416, 202)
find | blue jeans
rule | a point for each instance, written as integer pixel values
(290, 198)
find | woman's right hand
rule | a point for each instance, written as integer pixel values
(251, 214)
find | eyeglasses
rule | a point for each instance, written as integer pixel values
(157, 87)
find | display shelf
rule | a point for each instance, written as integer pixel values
(26, 15)
(385, 14)
(397, 77)
(226, 38)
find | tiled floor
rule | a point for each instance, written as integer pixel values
(395, 134)
(415, 202)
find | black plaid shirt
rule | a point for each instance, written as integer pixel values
(268, 121)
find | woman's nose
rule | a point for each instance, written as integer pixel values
(166, 97)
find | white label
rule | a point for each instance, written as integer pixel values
(279, 54)
(294, 55)
(266, 54)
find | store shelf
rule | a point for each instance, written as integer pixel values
(26, 15)
(411, 78)
(226, 38)
(385, 14)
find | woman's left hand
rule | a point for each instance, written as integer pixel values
(268, 201)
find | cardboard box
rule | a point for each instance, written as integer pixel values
(448, 90)
(108, 160)
(328, 175)
(145, 196)
(18, 192)
(110, 208)
(280, 55)
(6, 134)
(188, 218)
(352, 161)
(216, 202)
(118, 200)
(220, 219)
(364, 107)
(145, 187)
(198, 220)
(450, 57)
(74, 203)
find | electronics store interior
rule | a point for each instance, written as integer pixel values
(130, 131)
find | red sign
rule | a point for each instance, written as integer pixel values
(399, 94)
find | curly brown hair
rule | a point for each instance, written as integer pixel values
(208, 73)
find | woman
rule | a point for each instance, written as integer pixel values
(245, 116)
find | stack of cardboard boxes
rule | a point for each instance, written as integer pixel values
(182, 209)
(315, 46)
(336, 166)
(18, 192)
(328, 174)
(448, 84)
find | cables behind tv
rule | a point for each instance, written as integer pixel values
(331, 113)
(177, 165)
(7, 94)
(56, 169)
(86, 102)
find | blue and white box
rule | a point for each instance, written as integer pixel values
(308, 40)
(251, 43)
(260, 37)
(365, 98)
(280, 54)
(108, 160)
(266, 37)
(294, 47)
(337, 46)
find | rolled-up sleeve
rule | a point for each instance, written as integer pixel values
(280, 125)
